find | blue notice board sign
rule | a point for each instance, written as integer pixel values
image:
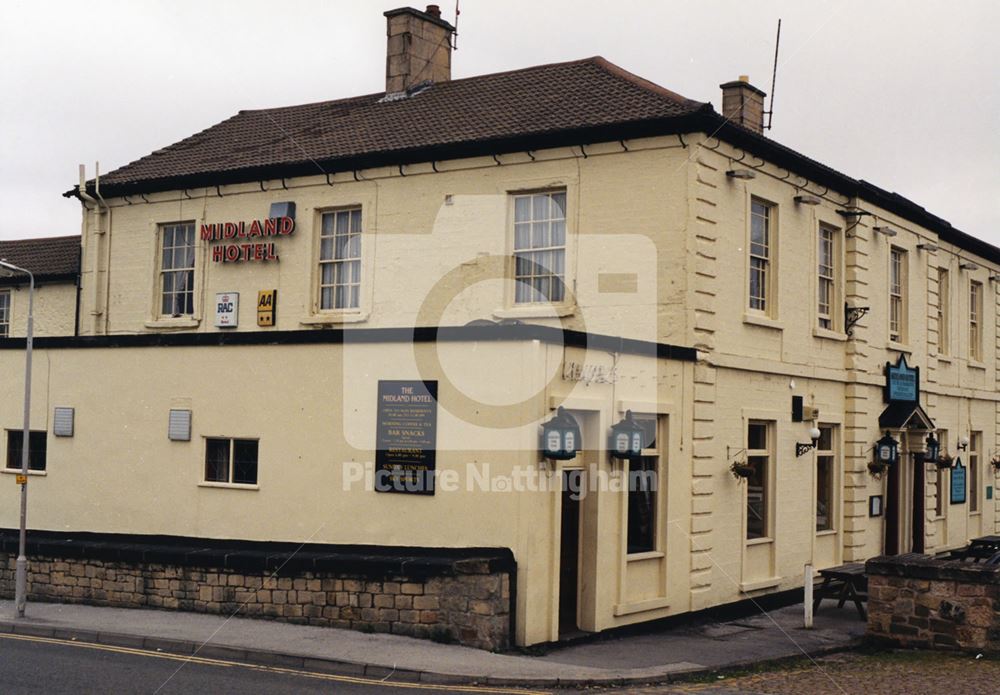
(958, 483)
(902, 382)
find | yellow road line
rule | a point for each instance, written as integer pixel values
(270, 669)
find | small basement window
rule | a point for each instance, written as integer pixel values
(36, 449)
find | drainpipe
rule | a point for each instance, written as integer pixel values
(96, 309)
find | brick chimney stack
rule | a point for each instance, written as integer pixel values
(419, 48)
(743, 104)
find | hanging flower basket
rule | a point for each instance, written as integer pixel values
(995, 462)
(945, 461)
(877, 469)
(741, 470)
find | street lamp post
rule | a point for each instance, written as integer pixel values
(21, 567)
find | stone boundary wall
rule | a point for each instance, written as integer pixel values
(920, 601)
(463, 600)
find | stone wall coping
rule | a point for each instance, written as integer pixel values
(918, 566)
(282, 558)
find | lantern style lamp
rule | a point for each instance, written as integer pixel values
(886, 450)
(933, 448)
(560, 437)
(625, 440)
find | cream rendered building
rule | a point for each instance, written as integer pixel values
(674, 263)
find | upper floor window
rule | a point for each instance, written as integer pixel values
(827, 276)
(340, 260)
(944, 313)
(540, 247)
(761, 241)
(4, 313)
(976, 321)
(177, 269)
(897, 295)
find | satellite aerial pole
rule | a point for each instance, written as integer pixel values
(774, 76)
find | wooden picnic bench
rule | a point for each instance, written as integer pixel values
(845, 582)
(979, 549)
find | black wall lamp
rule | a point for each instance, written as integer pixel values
(801, 449)
(560, 439)
(886, 454)
(625, 440)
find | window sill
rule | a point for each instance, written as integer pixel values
(944, 358)
(976, 364)
(17, 471)
(898, 347)
(828, 334)
(335, 317)
(640, 606)
(759, 541)
(760, 584)
(229, 486)
(536, 311)
(979, 513)
(648, 555)
(167, 323)
(763, 322)
(827, 532)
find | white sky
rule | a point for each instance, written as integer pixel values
(903, 94)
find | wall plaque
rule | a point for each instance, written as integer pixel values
(958, 483)
(406, 437)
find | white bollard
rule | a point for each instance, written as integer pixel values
(808, 598)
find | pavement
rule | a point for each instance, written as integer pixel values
(649, 656)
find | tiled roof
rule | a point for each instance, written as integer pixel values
(534, 101)
(48, 258)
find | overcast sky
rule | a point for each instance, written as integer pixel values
(903, 94)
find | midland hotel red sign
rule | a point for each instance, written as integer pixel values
(243, 240)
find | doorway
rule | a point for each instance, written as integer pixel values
(569, 553)
(905, 501)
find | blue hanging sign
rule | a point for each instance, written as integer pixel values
(902, 382)
(958, 483)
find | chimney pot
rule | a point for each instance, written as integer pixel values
(743, 104)
(434, 10)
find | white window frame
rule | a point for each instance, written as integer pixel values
(898, 262)
(656, 454)
(549, 257)
(5, 309)
(944, 312)
(975, 321)
(827, 277)
(345, 293)
(231, 463)
(975, 471)
(761, 259)
(175, 271)
(834, 463)
(767, 489)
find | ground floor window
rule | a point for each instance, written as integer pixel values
(36, 449)
(759, 454)
(643, 484)
(975, 444)
(826, 459)
(231, 461)
(941, 481)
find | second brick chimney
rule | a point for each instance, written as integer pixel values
(743, 104)
(419, 48)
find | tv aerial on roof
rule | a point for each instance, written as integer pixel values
(774, 76)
